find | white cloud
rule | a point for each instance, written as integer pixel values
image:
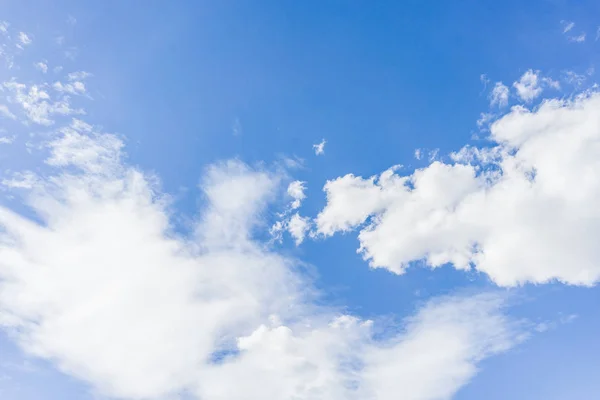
(296, 191)
(76, 87)
(37, 103)
(528, 87)
(7, 139)
(79, 75)
(418, 154)
(20, 180)
(320, 147)
(298, 226)
(484, 79)
(524, 211)
(41, 66)
(567, 25)
(100, 284)
(431, 359)
(499, 95)
(574, 78)
(484, 119)
(551, 83)
(294, 224)
(351, 200)
(412, 367)
(24, 39)
(5, 112)
(90, 152)
(71, 20)
(531, 85)
(4, 27)
(578, 39)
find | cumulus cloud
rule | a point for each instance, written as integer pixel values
(319, 148)
(296, 191)
(528, 87)
(531, 85)
(298, 226)
(100, 284)
(521, 211)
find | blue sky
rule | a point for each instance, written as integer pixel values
(140, 201)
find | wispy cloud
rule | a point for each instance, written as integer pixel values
(567, 26)
(78, 75)
(24, 39)
(499, 95)
(6, 113)
(578, 39)
(319, 148)
(41, 66)
(4, 27)
(36, 102)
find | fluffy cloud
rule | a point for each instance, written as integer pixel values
(531, 85)
(296, 191)
(95, 279)
(528, 87)
(435, 354)
(298, 227)
(521, 211)
(101, 284)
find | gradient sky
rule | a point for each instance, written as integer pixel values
(185, 86)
